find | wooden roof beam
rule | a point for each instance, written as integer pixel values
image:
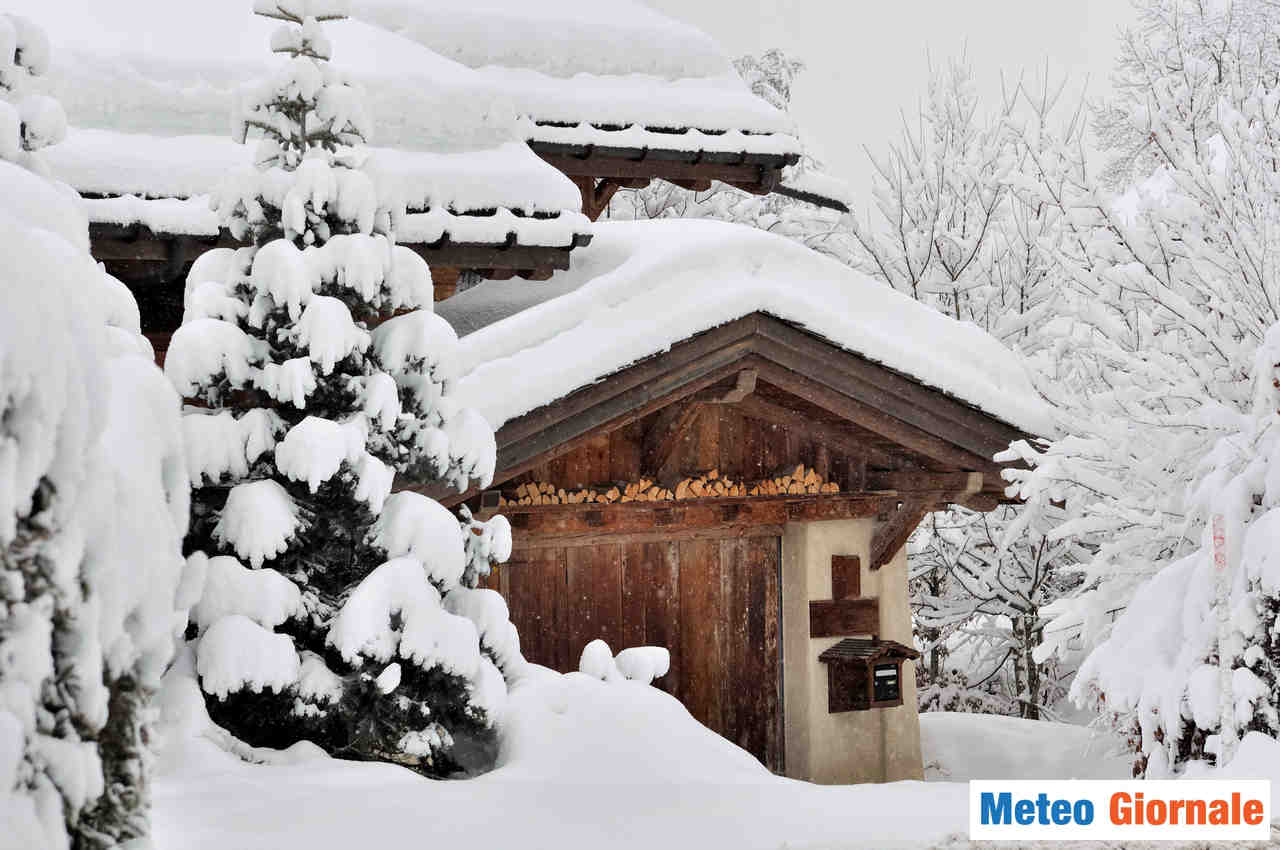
(756, 407)
(872, 419)
(590, 523)
(920, 480)
(896, 395)
(663, 438)
(750, 176)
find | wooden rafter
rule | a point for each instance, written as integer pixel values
(757, 175)
(919, 480)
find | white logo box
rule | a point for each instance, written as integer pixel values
(1129, 799)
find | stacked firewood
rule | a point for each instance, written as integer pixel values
(799, 481)
(796, 482)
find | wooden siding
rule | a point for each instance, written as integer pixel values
(716, 436)
(714, 603)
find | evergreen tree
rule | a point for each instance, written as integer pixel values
(93, 503)
(333, 610)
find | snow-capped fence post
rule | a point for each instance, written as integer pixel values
(1222, 599)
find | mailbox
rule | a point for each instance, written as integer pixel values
(886, 683)
(865, 674)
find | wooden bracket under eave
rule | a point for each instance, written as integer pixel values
(891, 535)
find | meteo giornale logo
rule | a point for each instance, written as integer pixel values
(1214, 810)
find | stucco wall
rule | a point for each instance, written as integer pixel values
(879, 745)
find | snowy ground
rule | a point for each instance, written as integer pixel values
(589, 765)
(959, 747)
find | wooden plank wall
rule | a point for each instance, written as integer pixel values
(720, 438)
(713, 603)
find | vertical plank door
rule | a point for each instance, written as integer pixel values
(715, 604)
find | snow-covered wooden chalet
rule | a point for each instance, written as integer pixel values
(709, 437)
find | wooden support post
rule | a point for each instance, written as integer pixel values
(596, 195)
(444, 281)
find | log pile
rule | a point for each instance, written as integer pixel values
(796, 481)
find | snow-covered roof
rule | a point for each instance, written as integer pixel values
(441, 74)
(816, 187)
(169, 76)
(610, 73)
(162, 68)
(171, 176)
(643, 286)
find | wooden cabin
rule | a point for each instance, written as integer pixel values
(710, 438)
(741, 496)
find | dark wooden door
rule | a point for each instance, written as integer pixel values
(714, 603)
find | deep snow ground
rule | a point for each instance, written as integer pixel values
(586, 766)
(959, 747)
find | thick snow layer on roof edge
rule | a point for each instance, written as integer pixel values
(817, 187)
(508, 175)
(559, 38)
(642, 286)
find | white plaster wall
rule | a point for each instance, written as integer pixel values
(857, 746)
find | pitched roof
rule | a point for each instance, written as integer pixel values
(865, 650)
(600, 73)
(487, 197)
(169, 76)
(641, 287)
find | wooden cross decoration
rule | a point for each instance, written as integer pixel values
(845, 613)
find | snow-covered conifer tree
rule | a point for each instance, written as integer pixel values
(93, 503)
(333, 610)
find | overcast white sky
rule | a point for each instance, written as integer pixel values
(867, 59)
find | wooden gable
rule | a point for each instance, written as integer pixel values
(745, 399)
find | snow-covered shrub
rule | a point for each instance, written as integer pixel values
(28, 121)
(637, 664)
(1159, 674)
(978, 594)
(93, 505)
(1171, 291)
(961, 220)
(334, 610)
